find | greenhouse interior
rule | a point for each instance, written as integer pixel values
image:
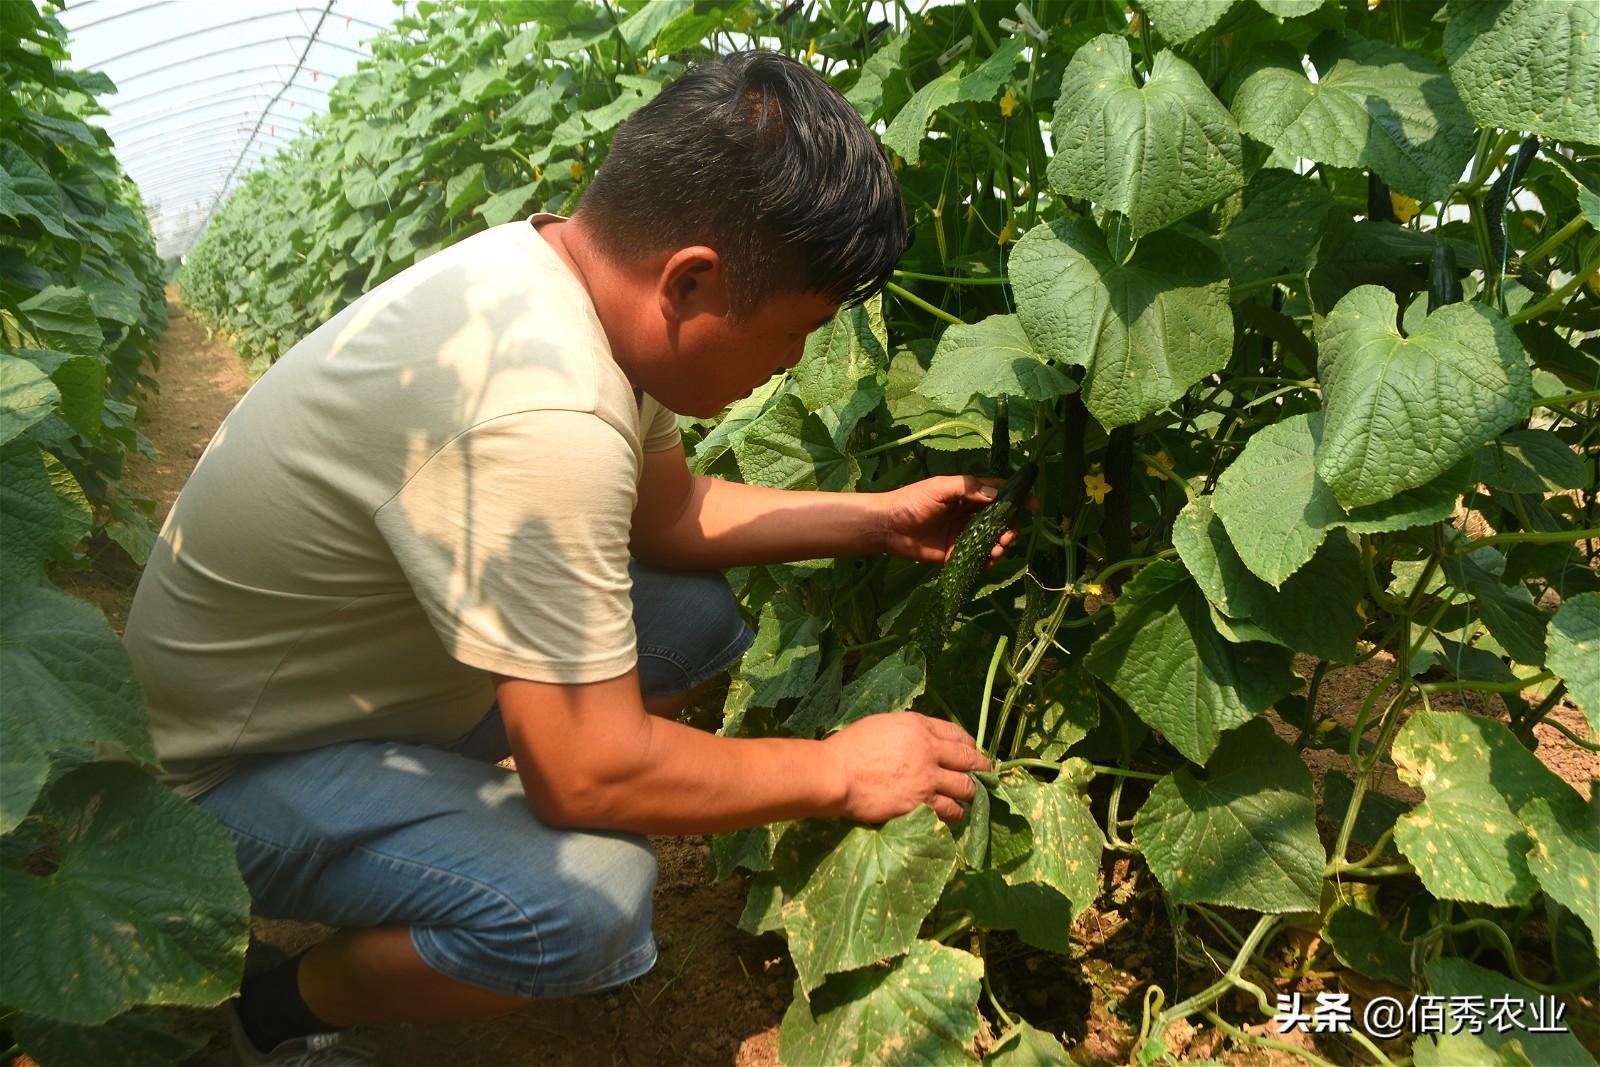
(803, 532)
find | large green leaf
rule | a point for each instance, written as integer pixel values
(1315, 612)
(1280, 227)
(63, 319)
(1528, 64)
(1027, 1047)
(987, 359)
(788, 447)
(1373, 105)
(68, 681)
(139, 1038)
(81, 381)
(867, 896)
(145, 907)
(1465, 839)
(1402, 410)
(1565, 858)
(1039, 914)
(1530, 461)
(910, 126)
(28, 192)
(853, 345)
(1048, 836)
(1278, 510)
(1164, 656)
(922, 1009)
(1572, 651)
(26, 395)
(783, 659)
(1146, 329)
(1468, 1037)
(1179, 20)
(31, 527)
(1155, 152)
(1244, 836)
(888, 685)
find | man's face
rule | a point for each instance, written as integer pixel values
(719, 362)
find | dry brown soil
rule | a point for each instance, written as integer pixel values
(717, 995)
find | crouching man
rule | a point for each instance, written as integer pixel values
(455, 523)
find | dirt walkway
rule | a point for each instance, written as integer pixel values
(717, 995)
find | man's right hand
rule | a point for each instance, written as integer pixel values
(891, 763)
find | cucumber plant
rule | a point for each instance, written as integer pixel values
(1296, 322)
(81, 305)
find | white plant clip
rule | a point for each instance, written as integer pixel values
(955, 51)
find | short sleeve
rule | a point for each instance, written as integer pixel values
(514, 538)
(660, 431)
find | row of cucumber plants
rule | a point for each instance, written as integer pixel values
(118, 896)
(1292, 308)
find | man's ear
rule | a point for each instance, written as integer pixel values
(692, 283)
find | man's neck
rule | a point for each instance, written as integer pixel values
(599, 278)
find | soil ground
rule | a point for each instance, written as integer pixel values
(717, 995)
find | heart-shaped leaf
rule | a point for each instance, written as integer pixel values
(1154, 152)
(1146, 329)
(1400, 410)
(1373, 105)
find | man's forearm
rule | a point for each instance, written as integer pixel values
(686, 781)
(727, 524)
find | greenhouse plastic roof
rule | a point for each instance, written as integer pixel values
(207, 91)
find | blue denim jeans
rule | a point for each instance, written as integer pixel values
(438, 838)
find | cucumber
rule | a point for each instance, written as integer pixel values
(961, 571)
(1000, 449)
(1444, 282)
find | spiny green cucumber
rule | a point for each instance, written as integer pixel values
(961, 571)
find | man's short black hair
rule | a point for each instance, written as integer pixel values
(753, 154)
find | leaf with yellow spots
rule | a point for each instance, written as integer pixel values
(1465, 839)
(1045, 834)
(1244, 836)
(1565, 856)
(1572, 650)
(859, 896)
(921, 1009)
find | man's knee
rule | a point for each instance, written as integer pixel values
(690, 629)
(584, 927)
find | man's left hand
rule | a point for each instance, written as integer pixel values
(921, 521)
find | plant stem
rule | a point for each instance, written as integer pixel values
(912, 298)
(1265, 1042)
(1557, 298)
(926, 431)
(1123, 772)
(1535, 537)
(1567, 398)
(988, 691)
(1555, 240)
(1515, 685)
(1508, 952)
(950, 279)
(952, 929)
(1171, 475)
(1209, 995)
(1561, 728)
(1122, 565)
(1251, 286)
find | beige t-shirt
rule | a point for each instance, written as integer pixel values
(434, 485)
